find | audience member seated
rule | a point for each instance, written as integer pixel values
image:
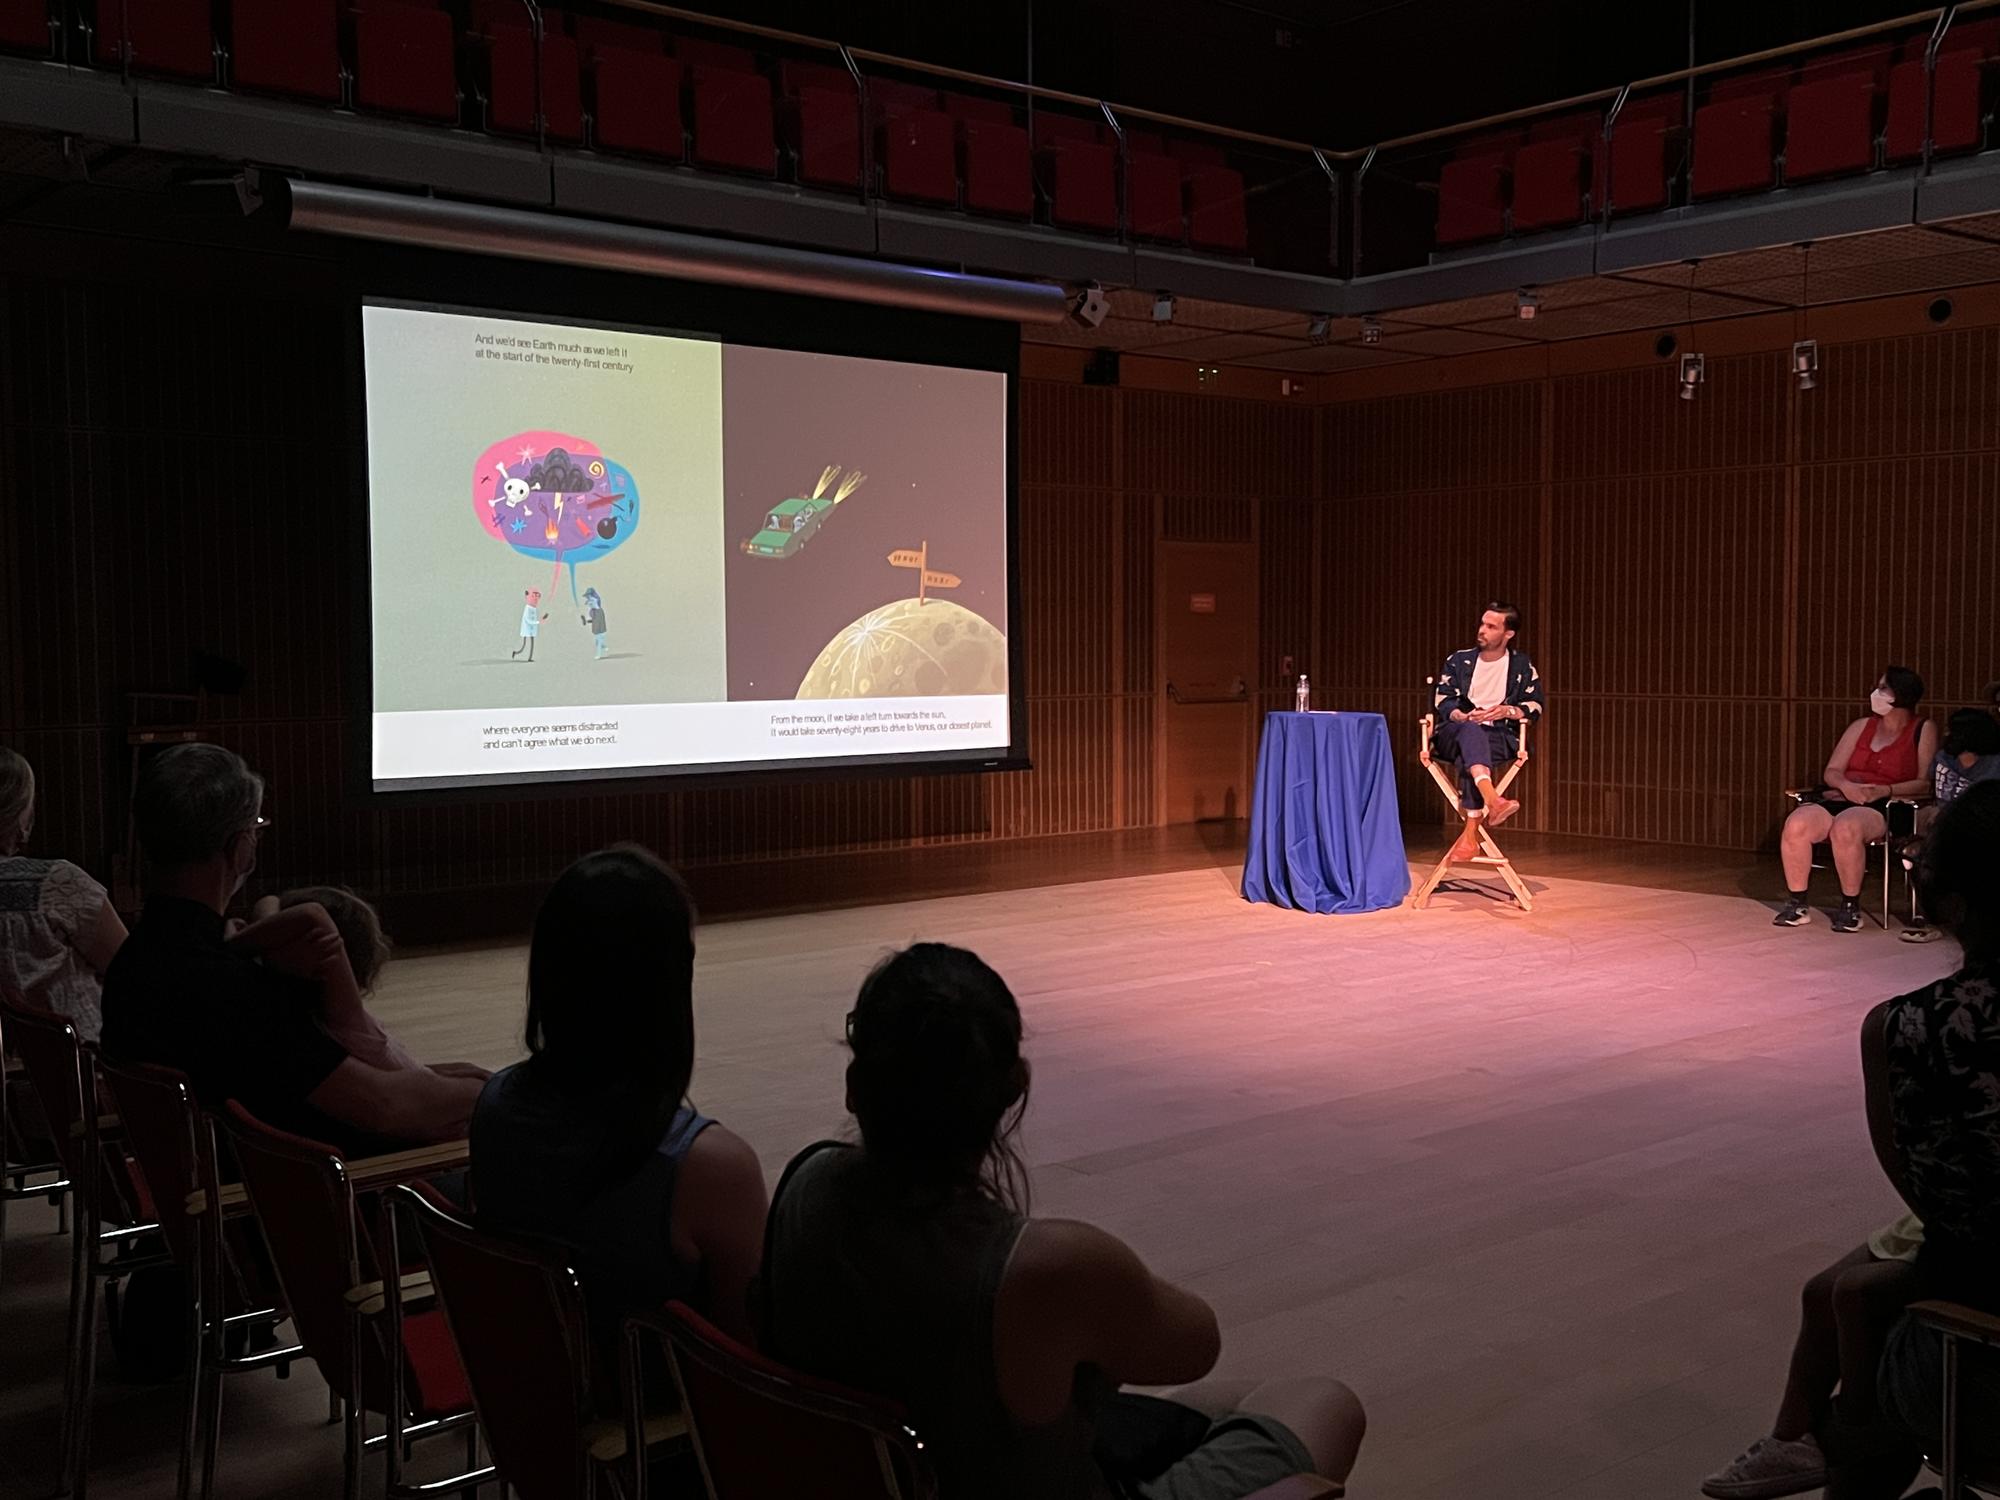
(58, 932)
(907, 1266)
(591, 1143)
(1886, 753)
(1970, 754)
(1929, 1059)
(179, 994)
(328, 934)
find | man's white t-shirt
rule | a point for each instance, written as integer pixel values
(1489, 682)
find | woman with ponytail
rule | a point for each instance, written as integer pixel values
(907, 1265)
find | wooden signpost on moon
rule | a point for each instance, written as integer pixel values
(920, 560)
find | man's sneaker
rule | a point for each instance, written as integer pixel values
(1922, 933)
(1792, 914)
(1769, 1468)
(1846, 918)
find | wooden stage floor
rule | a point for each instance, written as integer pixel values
(1541, 1189)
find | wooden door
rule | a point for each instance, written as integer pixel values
(1206, 607)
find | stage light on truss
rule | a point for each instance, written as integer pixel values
(1692, 375)
(1320, 329)
(1163, 307)
(1526, 304)
(1090, 306)
(1805, 363)
(1371, 331)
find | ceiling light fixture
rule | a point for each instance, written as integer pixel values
(1090, 306)
(1692, 375)
(1320, 329)
(1805, 363)
(1526, 305)
(1163, 307)
(1371, 331)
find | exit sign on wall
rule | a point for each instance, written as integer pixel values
(1201, 604)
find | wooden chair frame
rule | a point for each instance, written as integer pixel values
(1491, 857)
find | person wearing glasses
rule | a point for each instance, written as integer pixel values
(179, 994)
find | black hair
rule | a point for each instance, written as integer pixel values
(1972, 731)
(1958, 873)
(611, 995)
(1509, 615)
(1905, 686)
(936, 1080)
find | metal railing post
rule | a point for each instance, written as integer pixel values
(1360, 185)
(1124, 176)
(861, 120)
(1333, 209)
(1945, 18)
(1610, 130)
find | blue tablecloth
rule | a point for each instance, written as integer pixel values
(1324, 833)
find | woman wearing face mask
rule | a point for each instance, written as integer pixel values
(1886, 754)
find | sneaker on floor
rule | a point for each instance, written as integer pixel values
(1846, 919)
(1923, 934)
(1792, 914)
(1769, 1468)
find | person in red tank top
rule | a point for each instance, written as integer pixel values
(1885, 754)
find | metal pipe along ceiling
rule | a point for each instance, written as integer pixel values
(358, 213)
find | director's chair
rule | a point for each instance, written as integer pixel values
(1490, 856)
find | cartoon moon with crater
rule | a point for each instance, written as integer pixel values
(920, 648)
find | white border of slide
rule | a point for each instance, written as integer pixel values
(470, 744)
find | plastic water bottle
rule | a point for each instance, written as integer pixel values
(1303, 702)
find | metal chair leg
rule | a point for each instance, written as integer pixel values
(76, 1372)
(191, 1419)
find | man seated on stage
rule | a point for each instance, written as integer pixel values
(1482, 696)
(179, 994)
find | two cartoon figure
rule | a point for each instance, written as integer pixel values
(532, 616)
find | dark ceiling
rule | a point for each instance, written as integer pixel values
(1335, 72)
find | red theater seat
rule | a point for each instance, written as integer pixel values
(592, 32)
(732, 121)
(171, 37)
(1736, 135)
(918, 150)
(1154, 204)
(794, 76)
(1552, 181)
(510, 75)
(1217, 210)
(1472, 198)
(636, 100)
(997, 168)
(988, 111)
(823, 133)
(1079, 172)
(286, 47)
(1957, 114)
(696, 52)
(405, 59)
(24, 26)
(1197, 153)
(1831, 116)
(1637, 172)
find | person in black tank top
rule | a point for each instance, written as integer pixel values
(908, 1266)
(590, 1143)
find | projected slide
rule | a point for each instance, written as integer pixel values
(599, 552)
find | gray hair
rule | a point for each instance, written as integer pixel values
(191, 801)
(17, 786)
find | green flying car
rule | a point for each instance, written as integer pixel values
(792, 523)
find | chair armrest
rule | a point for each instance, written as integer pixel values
(403, 1166)
(369, 1298)
(234, 1201)
(1958, 1321)
(1301, 1487)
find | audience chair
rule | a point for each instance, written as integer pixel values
(1797, 795)
(761, 1430)
(1960, 1326)
(382, 1346)
(516, 1315)
(1490, 856)
(26, 1151)
(112, 1233)
(175, 1145)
